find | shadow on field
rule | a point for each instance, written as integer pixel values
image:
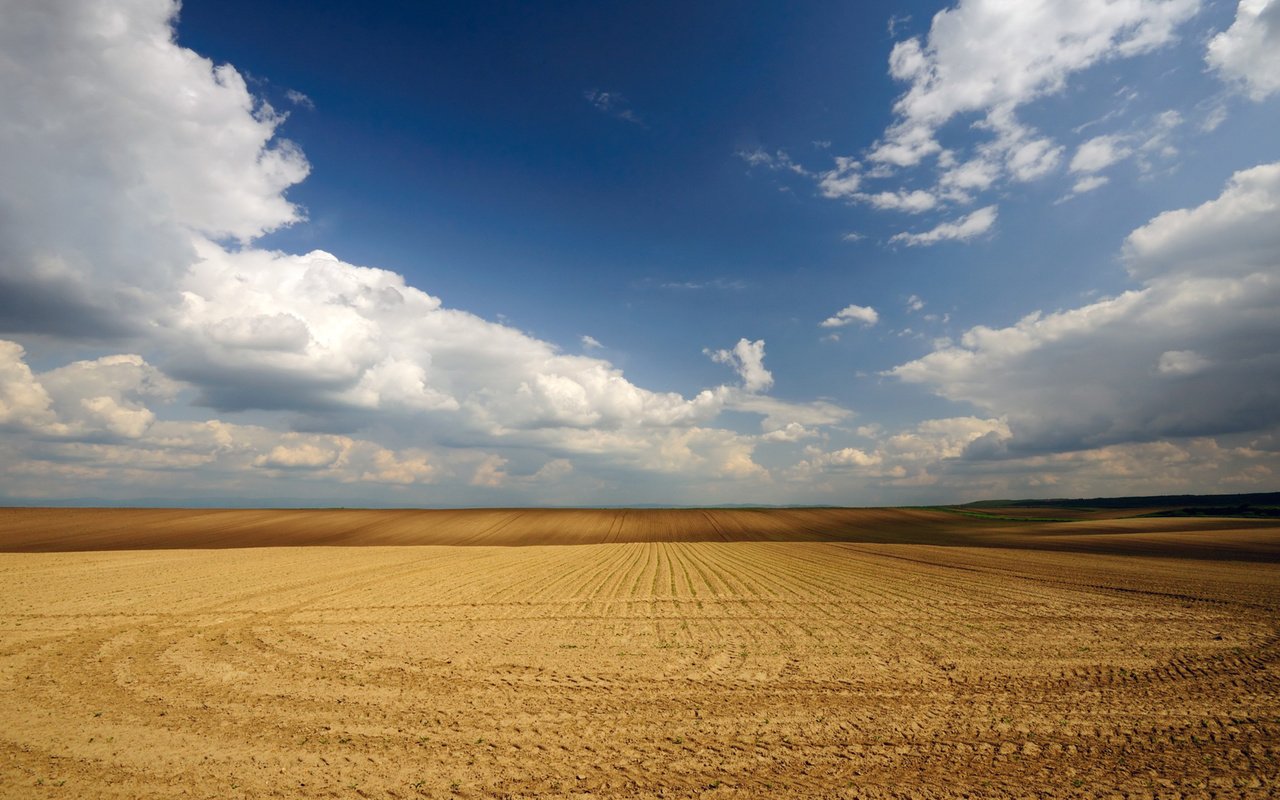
(1115, 532)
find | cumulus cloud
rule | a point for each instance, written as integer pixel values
(865, 316)
(95, 420)
(109, 395)
(986, 60)
(965, 457)
(843, 180)
(990, 57)
(1233, 235)
(110, 167)
(911, 457)
(975, 175)
(790, 432)
(24, 402)
(490, 472)
(1248, 53)
(1194, 352)
(747, 359)
(135, 176)
(963, 229)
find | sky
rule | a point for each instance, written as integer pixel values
(510, 254)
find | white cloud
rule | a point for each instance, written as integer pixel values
(1248, 53)
(911, 457)
(791, 432)
(134, 177)
(988, 59)
(1147, 145)
(1216, 116)
(1089, 184)
(613, 104)
(846, 457)
(1099, 153)
(843, 180)
(747, 359)
(914, 303)
(1026, 155)
(198, 455)
(778, 414)
(963, 229)
(985, 56)
(110, 165)
(865, 316)
(590, 342)
(299, 99)
(24, 402)
(554, 471)
(1202, 328)
(490, 473)
(912, 202)
(779, 160)
(403, 468)
(1157, 139)
(303, 455)
(962, 458)
(93, 419)
(107, 396)
(977, 174)
(1233, 235)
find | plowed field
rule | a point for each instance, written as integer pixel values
(804, 667)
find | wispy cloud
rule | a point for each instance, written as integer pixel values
(299, 99)
(613, 104)
(777, 160)
(963, 229)
(721, 284)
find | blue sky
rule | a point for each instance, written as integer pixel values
(834, 253)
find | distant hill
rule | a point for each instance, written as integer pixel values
(1257, 504)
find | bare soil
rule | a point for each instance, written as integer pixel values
(790, 653)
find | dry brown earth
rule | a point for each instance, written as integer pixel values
(32, 530)
(805, 653)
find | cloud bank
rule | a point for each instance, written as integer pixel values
(1194, 352)
(136, 176)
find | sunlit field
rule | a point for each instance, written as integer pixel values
(636, 654)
